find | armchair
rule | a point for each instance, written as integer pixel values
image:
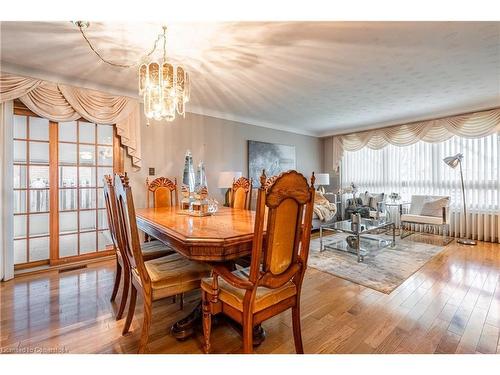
(427, 210)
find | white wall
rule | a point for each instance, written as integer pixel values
(221, 144)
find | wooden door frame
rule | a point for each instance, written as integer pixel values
(118, 166)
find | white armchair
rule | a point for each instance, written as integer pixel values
(427, 210)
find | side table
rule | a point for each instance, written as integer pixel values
(390, 210)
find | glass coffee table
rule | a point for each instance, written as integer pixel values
(356, 242)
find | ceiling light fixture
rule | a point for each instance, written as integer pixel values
(164, 87)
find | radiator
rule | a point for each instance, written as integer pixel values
(482, 226)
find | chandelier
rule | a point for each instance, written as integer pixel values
(164, 87)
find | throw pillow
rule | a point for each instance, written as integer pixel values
(365, 198)
(375, 200)
(417, 202)
(434, 206)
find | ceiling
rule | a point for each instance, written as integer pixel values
(316, 78)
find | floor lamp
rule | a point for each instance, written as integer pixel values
(453, 161)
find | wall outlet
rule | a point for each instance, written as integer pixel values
(151, 171)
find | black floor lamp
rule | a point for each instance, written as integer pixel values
(453, 161)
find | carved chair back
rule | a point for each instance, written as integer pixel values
(241, 193)
(164, 192)
(287, 201)
(128, 237)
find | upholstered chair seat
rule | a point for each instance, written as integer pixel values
(420, 219)
(155, 249)
(264, 297)
(174, 274)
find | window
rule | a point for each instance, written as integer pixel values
(419, 169)
(58, 200)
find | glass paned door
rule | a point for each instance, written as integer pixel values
(58, 171)
(31, 198)
(85, 155)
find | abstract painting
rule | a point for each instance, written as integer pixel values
(272, 157)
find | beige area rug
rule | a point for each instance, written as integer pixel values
(383, 269)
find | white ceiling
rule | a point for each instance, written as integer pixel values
(317, 78)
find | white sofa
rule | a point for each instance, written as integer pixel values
(429, 210)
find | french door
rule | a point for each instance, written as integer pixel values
(59, 212)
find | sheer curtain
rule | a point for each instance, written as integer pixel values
(419, 169)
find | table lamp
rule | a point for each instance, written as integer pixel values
(225, 181)
(453, 162)
(322, 179)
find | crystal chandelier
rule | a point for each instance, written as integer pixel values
(165, 88)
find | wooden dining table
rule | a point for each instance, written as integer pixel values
(225, 236)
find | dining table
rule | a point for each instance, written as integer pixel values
(223, 237)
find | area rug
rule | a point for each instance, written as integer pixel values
(383, 269)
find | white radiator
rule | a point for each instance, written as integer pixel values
(482, 226)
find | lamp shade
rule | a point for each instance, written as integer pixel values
(322, 179)
(226, 179)
(453, 161)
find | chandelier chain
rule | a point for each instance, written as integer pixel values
(119, 65)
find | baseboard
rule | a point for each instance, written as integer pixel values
(60, 268)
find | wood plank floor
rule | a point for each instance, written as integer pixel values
(451, 305)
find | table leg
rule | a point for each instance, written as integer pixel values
(320, 238)
(358, 251)
(186, 327)
(393, 235)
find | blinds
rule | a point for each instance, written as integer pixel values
(419, 169)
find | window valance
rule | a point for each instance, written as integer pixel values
(469, 125)
(58, 102)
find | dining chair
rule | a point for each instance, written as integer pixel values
(272, 283)
(154, 279)
(241, 193)
(150, 250)
(163, 191)
(241, 198)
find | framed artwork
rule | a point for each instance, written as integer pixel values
(274, 158)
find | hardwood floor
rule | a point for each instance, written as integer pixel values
(451, 305)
